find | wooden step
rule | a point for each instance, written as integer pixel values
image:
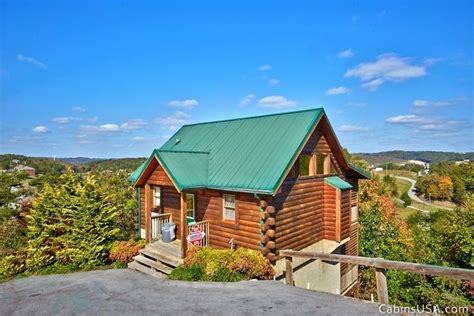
(139, 267)
(153, 264)
(169, 248)
(163, 257)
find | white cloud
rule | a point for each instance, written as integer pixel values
(65, 119)
(40, 129)
(276, 101)
(264, 67)
(31, 60)
(338, 90)
(426, 103)
(353, 129)
(387, 67)
(92, 119)
(104, 128)
(186, 104)
(346, 54)
(432, 61)
(373, 84)
(404, 119)
(138, 138)
(173, 121)
(133, 124)
(109, 128)
(273, 82)
(247, 100)
(78, 109)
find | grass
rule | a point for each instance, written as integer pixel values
(403, 186)
(403, 173)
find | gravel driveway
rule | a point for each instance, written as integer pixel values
(126, 292)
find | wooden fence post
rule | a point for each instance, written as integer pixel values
(289, 271)
(382, 290)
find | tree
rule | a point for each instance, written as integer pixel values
(71, 225)
(406, 199)
(445, 187)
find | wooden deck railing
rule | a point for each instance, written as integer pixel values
(380, 265)
(200, 227)
(157, 222)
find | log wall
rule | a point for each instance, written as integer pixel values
(299, 213)
(246, 229)
(170, 198)
(329, 212)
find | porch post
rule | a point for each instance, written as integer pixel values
(147, 213)
(184, 225)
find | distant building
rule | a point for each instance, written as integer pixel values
(462, 162)
(30, 170)
(378, 169)
(419, 163)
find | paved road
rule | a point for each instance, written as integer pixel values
(414, 197)
(127, 292)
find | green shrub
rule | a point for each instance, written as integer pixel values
(10, 266)
(192, 273)
(406, 199)
(124, 251)
(229, 265)
(224, 275)
(72, 224)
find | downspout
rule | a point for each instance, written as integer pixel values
(139, 218)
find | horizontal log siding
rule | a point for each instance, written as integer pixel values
(142, 207)
(351, 247)
(345, 214)
(354, 190)
(317, 143)
(299, 213)
(329, 212)
(246, 230)
(170, 198)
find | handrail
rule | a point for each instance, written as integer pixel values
(380, 266)
(204, 227)
(157, 221)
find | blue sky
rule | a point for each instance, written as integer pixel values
(115, 79)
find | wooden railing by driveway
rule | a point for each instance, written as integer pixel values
(199, 227)
(157, 222)
(380, 265)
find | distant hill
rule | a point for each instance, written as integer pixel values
(44, 165)
(77, 160)
(397, 156)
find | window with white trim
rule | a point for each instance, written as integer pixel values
(355, 214)
(190, 205)
(157, 196)
(229, 207)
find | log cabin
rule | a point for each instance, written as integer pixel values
(268, 183)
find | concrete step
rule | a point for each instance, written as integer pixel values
(156, 265)
(141, 268)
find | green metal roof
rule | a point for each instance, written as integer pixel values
(245, 155)
(248, 154)
(337, 183)
(189, 169)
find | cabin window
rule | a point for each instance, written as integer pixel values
(156, 196)
(355, 214)
(229, 207)
(304, 165)
(190, 205)
(324, 164)
(320, 158)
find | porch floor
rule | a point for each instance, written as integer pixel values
(172, 248)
